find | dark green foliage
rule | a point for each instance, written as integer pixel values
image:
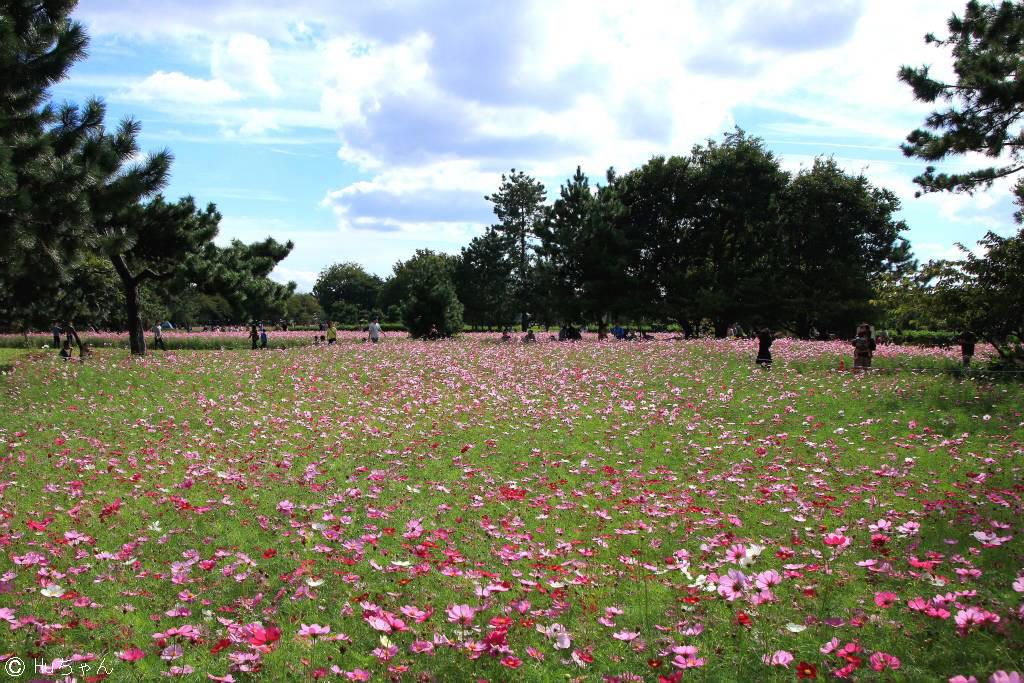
(985, 102)
(984, 294)
(346, 292)
(239, 273)
(430, 298)
(519, 206)
(483, 281)
(42, 189)
(585, 255)
(838, 238)
(303, 309)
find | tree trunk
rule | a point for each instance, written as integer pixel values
(803, 327)
(721, 328)
(136, 334)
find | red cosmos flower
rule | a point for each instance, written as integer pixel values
(742, 619)
(111, 509)
(220, 645)
(264, 636)
(269, 553)
(673, 677)
(511, 662)
(509, 493)
(805, 670)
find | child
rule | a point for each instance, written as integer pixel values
(263, 338)
(65, 350)
(863, 348)
(332, 333)
(158, 337)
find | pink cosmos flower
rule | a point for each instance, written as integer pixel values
(132, 654)
(686, 657)
(778, 658)
(732, 584)
(357, 675)
(829, 647)
(880, 661)
(421, 647)
(963, 679)
(885, 599)
(460, 614)
(735, 553)
(974, 616)
(838, 541)
(1004, 677)
(765, 580)
(625, 635)
(415, 613)
(313, 631)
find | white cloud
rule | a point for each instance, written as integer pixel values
(245, 61)
(359, 74)
(176, 88)
(430, 102)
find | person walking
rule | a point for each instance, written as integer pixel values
(764, 345)
(375, 331)
(158, 337)
(263, 338)
(863, 348)
(254, 336)
(967, 341)
(56, 334)
(332, 333)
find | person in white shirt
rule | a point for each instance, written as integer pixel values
(375, 332)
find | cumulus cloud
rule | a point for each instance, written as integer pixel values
(245, 61)
(431, 101)
(176, 88)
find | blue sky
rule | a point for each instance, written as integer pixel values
(363, 131)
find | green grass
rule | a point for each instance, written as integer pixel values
(625, 454)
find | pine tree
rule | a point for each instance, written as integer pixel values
(986, 101)
(43, 201)
(519, 206)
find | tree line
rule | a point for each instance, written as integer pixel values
(703, 240)
(724, 235)
(719, 236)
(85, 233)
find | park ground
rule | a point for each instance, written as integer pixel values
(465, 510)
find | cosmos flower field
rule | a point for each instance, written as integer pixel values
(468, 510)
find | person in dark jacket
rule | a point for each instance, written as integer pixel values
(764, 345)
(863, 348)
(967, 341)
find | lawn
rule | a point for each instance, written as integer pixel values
(470, 510)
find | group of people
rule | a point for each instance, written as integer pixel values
(70, 337)
(864, 346)
(374, 332)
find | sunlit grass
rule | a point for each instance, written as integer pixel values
(579, 476)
